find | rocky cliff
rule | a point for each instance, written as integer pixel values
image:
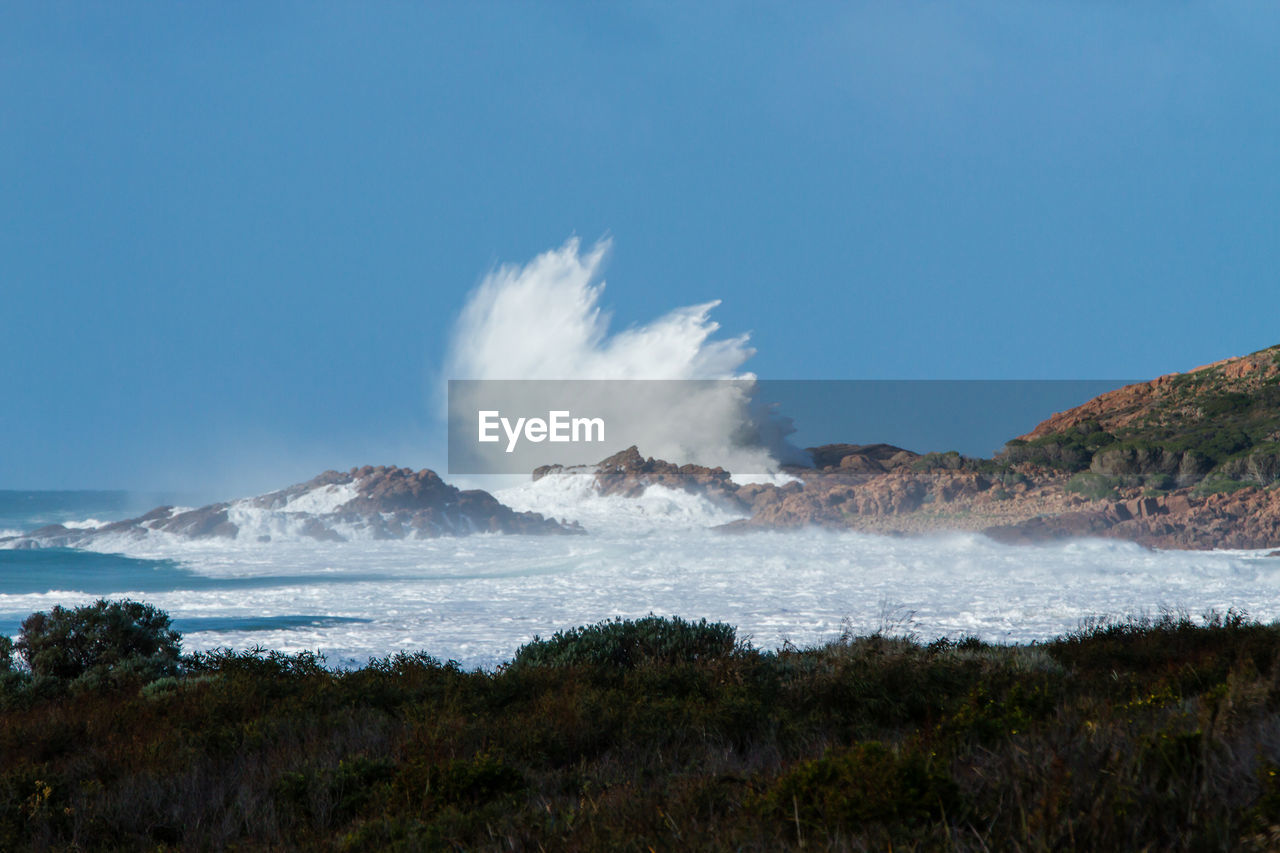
(1218, 425)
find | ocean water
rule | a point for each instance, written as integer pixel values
(23, 511)
(477, 599)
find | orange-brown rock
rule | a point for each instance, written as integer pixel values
(902, 499)
(1128, 405)
(1249, 518)
(1214, 428)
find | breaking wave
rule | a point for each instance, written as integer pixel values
(476, 599)
(573, 497)
(544, 320)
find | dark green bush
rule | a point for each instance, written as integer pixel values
(1093, 486)
(625, 643)
(332, 796)
(1228, 403)
(1144, 644)
(104, 638)
(949, 461)
(1136, 460)
(1071, 450)
(256, 662)
(1213, 442)
(1148, 733)
(866, 783)
(1260, 465)
(1215, 485)
(480, 779)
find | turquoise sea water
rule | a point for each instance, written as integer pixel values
(476, 599)
(51, 570)
(26, 511)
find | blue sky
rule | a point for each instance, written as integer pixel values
(235, 235)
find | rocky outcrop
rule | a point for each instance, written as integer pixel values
(1188, 460)
(1249, 518)
(895, 501)
(363, 503)
(888, 490)
(1133, 404)
(1140, 463)
(628, 473)
(208, 522)
(837, 484)
(860, 457)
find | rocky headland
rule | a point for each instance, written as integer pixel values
(373, 502)
(1188, 460)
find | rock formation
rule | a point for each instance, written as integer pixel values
(1187, 460)
(363, 503)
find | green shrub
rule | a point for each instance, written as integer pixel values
(1149, 733)
(1260, 464)
(1104, 646)
(1213, 442)
(332, 796)
(1136, 459)
(1224, 404)
(949, 461)
(256, 663)
(1063, 456)
(627, 644)
(1218, 485)
(998, 709)
(1265, 812)
(867, 783)
(1093, 486)
(123, 638)
(475, 780)
(12, 679)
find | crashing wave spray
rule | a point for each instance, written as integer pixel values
(544, 320)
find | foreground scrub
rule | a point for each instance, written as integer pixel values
(660, 733)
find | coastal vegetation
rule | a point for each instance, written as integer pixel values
(656, 733)
(1219, 425)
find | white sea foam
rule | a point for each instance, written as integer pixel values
(573, 497)
(323, 499)
(476, 599)
(254, 523)
(85, 524)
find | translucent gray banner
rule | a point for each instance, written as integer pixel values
(749, 427)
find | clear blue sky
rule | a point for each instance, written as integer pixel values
(235, 234)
